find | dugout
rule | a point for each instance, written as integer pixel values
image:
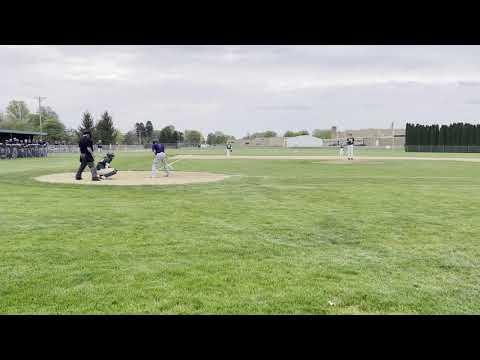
(7, 134)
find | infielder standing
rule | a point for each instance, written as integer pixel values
(350, 143)
(160, 157)
(228, 149)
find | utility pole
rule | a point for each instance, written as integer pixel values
(393, 134)
(20, 111)
(40, 113)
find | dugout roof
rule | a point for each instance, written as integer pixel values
(10, 134)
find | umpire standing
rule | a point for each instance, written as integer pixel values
(86, 156)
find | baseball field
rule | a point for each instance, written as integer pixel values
(305, 233)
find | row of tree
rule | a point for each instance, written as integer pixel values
(323, 134)
(456, 134)
(103, 129)
(290, 133)
(143, 134)
(17, 116)
(218, 138)
(263, 134)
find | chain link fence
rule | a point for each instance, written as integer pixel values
(61, 149)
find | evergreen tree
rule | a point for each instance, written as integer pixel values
(149, 131)
(87, 124)
(105, 130)
(141, 133)
(407, 127)
(455, 134)
(443, 135)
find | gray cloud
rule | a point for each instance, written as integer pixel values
(283, 107)
(241, 89)
(473, 102)
(469, 83)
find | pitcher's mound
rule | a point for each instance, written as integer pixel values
(136, 178)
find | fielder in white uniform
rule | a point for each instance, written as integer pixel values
(228, 149)
(341, 151)
(160, 157)
(350, 143)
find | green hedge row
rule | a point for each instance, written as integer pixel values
(456, 134)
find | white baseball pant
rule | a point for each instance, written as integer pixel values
(350, 151)
(160, 158)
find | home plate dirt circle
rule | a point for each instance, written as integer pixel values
(136, 178)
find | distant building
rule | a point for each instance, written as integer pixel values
(260, 141)
(303, 141)
(371, 137)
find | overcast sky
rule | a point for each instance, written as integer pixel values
(240, 89)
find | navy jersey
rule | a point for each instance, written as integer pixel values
(350, 141)
(158, 148)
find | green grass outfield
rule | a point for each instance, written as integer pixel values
(359, 150)
(284, 237)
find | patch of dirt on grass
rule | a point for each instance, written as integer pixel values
(136, 178)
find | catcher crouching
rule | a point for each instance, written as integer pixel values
(104, 169)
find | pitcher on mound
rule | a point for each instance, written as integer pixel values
(350, 143)
(228, 149)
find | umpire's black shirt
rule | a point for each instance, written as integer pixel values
(84, 144)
